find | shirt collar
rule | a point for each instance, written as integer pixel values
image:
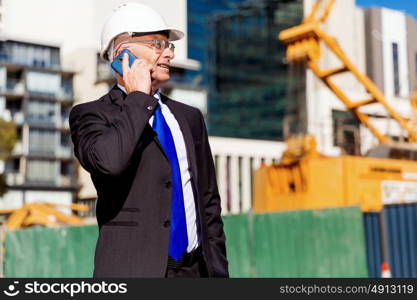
(157, 95)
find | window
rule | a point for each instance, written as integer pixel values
(43, 141)
(47, 84)
(42, 112)
(396, 69)
(42, 171)
(346, 132)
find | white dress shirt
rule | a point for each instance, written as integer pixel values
(189, 204)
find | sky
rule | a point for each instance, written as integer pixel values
(409, 6)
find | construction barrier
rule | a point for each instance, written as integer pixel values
(395, 234)
(309, 243)
(50, 252)
(372, 224)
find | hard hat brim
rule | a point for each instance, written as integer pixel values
(175, 34)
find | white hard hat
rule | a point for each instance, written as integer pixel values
(133, 18)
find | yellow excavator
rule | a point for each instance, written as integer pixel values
(305, 179)
(46, 214)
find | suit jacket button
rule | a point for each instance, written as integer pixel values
(168, 184)
(150, 107)
(167, 223)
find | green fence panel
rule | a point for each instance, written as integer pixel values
(236, 228)
(310, 243)
(50, 252)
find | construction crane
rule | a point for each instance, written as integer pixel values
(303, 46)
(45, 214)
(298, 181)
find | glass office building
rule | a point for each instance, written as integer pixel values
(199, 12)
(37, 95)
(252, 92)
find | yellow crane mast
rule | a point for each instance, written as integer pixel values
(303, 46)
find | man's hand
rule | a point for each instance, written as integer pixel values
(138, 77)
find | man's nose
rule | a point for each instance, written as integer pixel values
(168, 53)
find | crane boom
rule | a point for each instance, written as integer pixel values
(303, 46)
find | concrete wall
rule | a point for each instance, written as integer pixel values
(373, 42)
(394, 31)
(412, 52)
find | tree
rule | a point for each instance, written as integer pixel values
(8, 138)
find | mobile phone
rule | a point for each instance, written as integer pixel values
(117, 63)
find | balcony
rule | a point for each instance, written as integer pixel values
(47, 150)
(14, 86)
(28, 60)
(41, 182)
(40, 94)
(13, 115)
(64, 94)
(64, 152)
(18, 149)
(61, 95)
(14, 179)
(41, 120)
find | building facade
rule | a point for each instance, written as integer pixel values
(37, 94)
(391, 37)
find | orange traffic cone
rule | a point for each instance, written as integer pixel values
(385, 271)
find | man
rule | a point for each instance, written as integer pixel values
(158, 206)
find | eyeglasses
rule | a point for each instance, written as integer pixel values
(158, 44)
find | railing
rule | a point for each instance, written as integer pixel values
(42, 120)
(28, 61)
(235, 162)
(60, 94)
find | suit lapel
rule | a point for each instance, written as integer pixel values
(155, 138)
(186, 132)
(117, 96)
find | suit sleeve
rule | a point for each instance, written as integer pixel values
(211, 200)
(105, 147)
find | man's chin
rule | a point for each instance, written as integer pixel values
(162, 78)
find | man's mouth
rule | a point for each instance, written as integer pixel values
(164, 66)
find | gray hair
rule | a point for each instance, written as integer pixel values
(112, 47)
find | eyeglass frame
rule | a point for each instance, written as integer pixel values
(170, 45)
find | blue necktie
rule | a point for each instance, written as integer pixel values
(178, 240)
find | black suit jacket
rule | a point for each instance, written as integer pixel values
(115, 143)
